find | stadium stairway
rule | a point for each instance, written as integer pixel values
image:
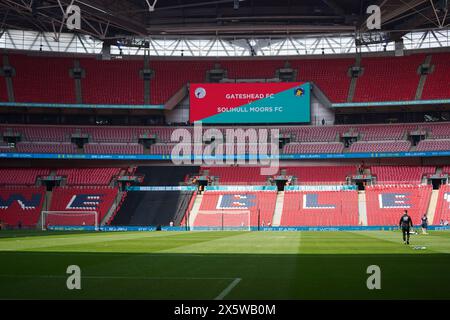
(276, 220)
(45, 206)
(113, 208)
(362, 208)
(195, 209)
(432, 206)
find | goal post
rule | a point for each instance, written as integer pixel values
(223, 220)
(69, 219)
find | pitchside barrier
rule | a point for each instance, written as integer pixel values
(198, 228)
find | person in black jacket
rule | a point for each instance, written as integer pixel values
(406, 224)
(424, 224)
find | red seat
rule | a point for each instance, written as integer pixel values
(385, 203)
(80, 199)
(21, 205)
(259, 205)
(333, 208)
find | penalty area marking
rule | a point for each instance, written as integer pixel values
(228, 289)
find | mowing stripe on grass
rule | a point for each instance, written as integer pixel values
(115, 277)
(228, 289)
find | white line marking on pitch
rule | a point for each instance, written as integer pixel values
(228, 289)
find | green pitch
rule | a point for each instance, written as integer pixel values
(224, 265)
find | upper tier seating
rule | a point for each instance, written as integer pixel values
(330, 75)
(42, 79)
(388, 78)
(21, 206)
(400, 174)
(385, 203)
(112, 82)
(21, 176)
(437, 85)
(443, 205)
(233, 208)
(88, 176)
(47, 79)
(320, 208)
(3, 90)
(321, 174)
(171, 76)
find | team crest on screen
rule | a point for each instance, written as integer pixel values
(200, 93)
(299, 92)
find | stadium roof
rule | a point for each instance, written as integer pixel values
(118, 19)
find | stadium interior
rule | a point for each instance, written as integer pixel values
(296, 133)
(93, 132)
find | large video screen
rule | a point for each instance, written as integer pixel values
(227, 103)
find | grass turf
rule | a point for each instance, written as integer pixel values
(201, 265)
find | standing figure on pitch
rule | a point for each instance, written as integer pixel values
(424, 224)
(405, 223)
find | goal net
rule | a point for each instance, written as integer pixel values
(229, 220)
(52, 219)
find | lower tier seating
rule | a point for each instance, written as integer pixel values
(21, 206)
(443, 205)
(236, 208)
(386, 203)
(78, 200)
(153, 208)
(320, 208)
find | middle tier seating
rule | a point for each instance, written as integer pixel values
(114, 148)
(303, 139)
(381, 146)
(433, 145)
(88, 176)
(236, 175)
(318, 147)
(321, 174)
